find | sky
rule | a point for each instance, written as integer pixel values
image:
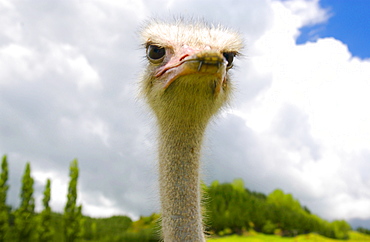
(298, 121)
(349, 22)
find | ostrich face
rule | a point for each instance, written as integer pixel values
(187, 61)
(188, 66)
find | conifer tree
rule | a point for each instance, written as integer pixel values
(4, 211)
(45, 230)
(72, 212)
(25, 215)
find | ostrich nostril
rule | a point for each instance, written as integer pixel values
(183, 57)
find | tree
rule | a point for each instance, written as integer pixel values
(24, 216)
(4, 211)
(45, 230)
(72, 212)
(228, 207)
(279, 198)
(269, 227)
(341, 229)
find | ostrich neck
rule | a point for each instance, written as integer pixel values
(179, 154)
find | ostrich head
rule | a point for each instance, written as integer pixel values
(187, 73)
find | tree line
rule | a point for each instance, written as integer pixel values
(230, 209)
(24, 224)
(234, 209)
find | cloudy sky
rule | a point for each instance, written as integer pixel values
(299, 119)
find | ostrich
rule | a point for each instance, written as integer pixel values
(186, 83)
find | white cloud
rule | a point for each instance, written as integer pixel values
(23, 63)
(58, 191)
(329, 88)
(98, 205)
(303, 12)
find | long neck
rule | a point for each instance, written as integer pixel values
(179, 153)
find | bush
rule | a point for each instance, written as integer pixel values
(268, 228)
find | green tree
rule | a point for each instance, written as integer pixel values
(279, 198)
(45, 229)
(4, 211)
(72, 212)
(341, 229)
(229, 207)
(25, 215)
(269, 227)
(238, 185)
(94, 231)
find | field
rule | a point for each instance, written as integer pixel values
(354, 237)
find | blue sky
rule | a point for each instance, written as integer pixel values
(349, 23)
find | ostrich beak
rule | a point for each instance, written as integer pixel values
(206, 63)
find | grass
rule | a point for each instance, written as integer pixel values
(354, 237)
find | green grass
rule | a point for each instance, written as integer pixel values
(354, 237)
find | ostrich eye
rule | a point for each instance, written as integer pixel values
(229, 56)
(155, 53)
